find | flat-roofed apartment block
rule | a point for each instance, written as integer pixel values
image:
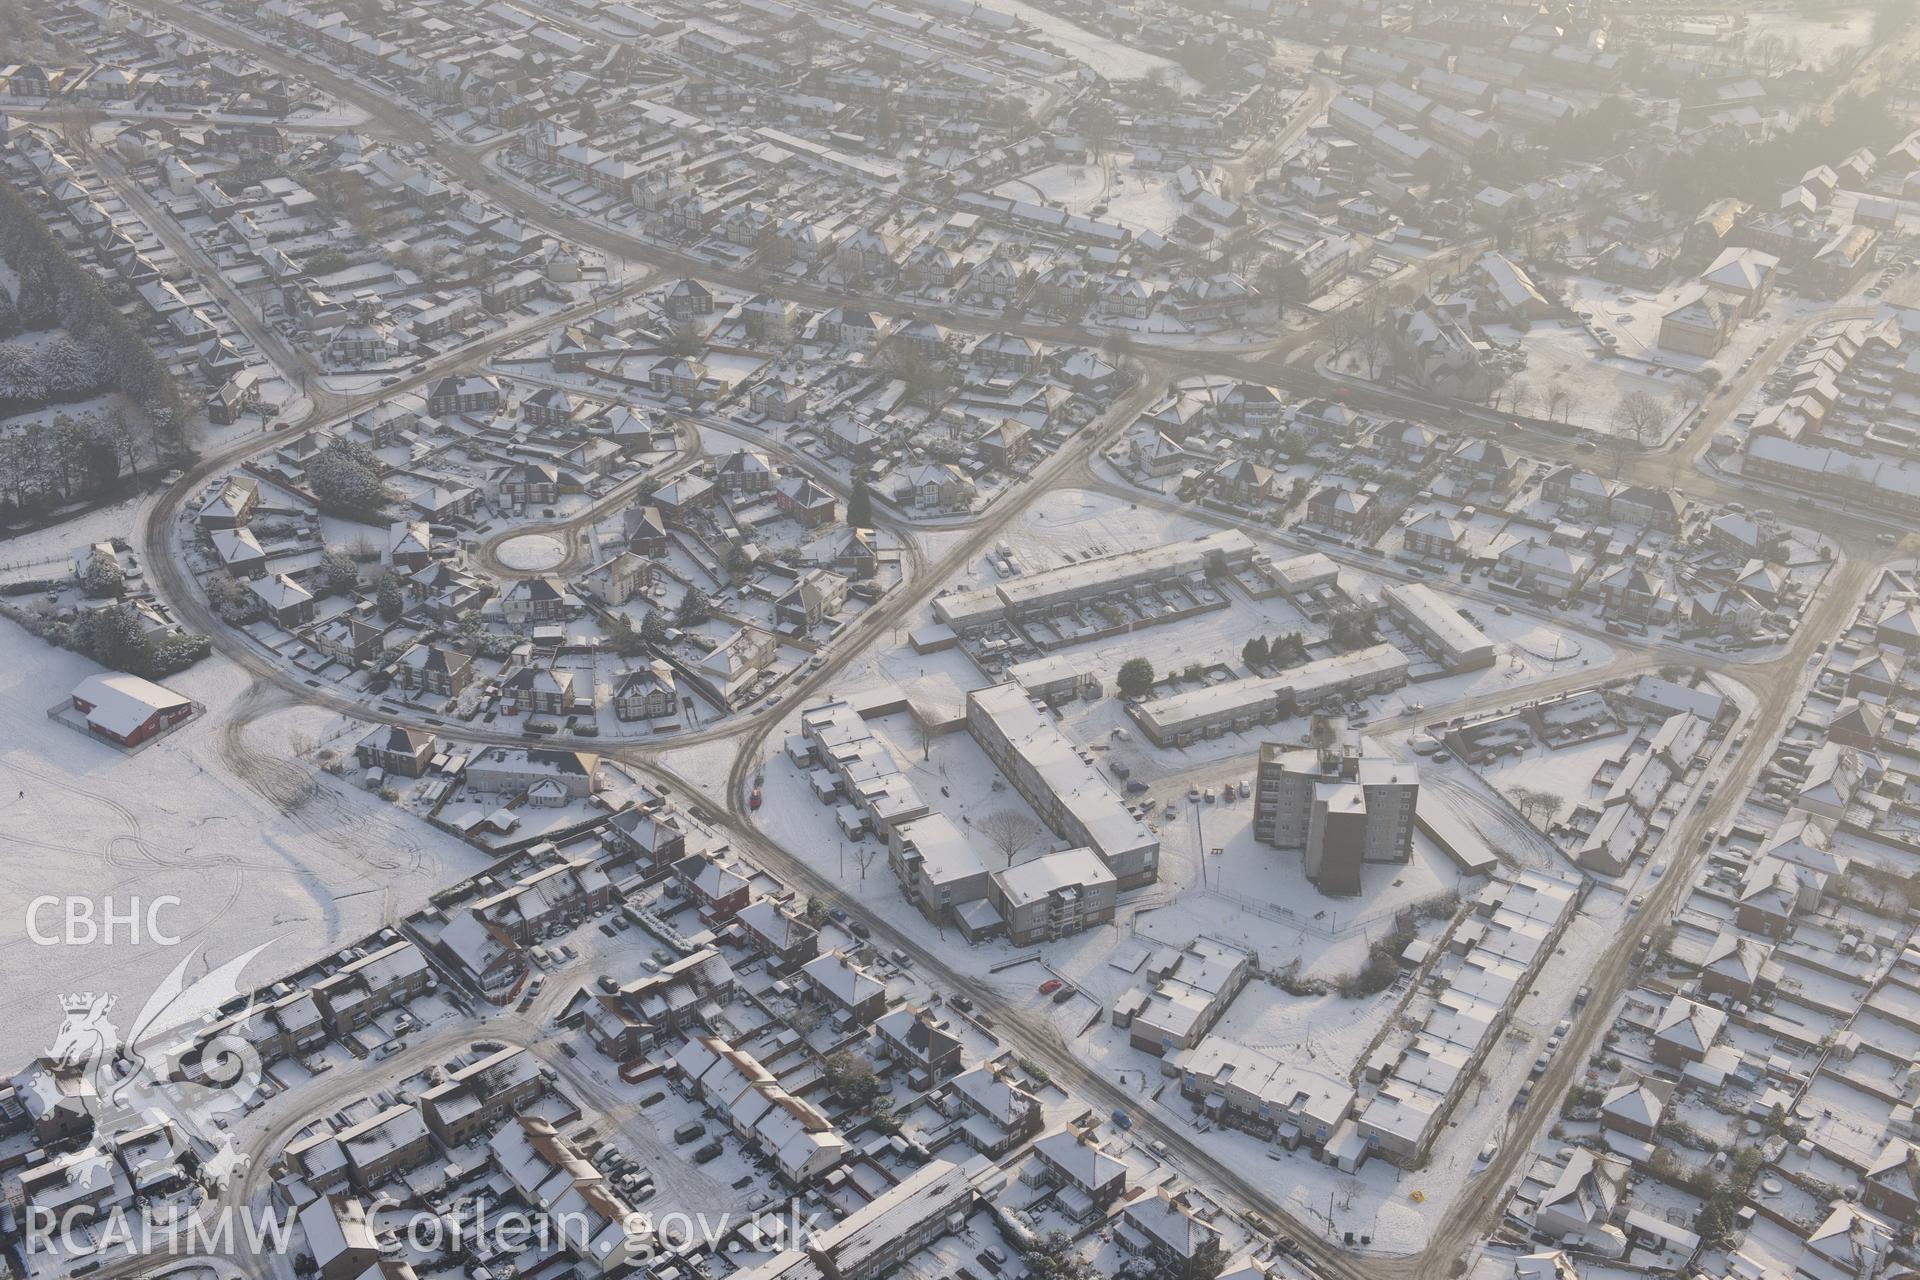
(1340, 808)
(1053, 896)
(1038, 593)
(1052, 775)
(1236, 706)
(1437, 627)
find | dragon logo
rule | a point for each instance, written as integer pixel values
(166, 1071)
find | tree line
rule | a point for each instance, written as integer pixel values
(100, 346)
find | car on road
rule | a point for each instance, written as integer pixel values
(1050, 986)
(1504, 610)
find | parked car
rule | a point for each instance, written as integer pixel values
(1050, 986)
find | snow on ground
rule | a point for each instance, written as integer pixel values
(1109, 57)
(39, 553)
(47, 415)
(192, 816)
(1567, 773)
(1259, 897)
(1134, 197)
(1818, 36)
(531, 552)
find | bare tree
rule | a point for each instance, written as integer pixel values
(1771, 53)
(865, 854)
(1519, 395)
(1640, 417)
(1375, 347)
(1009, 831)
(1558, 402)
(1534, 803)
(1346, 326)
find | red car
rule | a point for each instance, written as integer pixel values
(753, 801)
(1050, 986)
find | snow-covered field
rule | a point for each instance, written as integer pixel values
(1114, 60)
(1817, 36)
(1134, 197)
(257, 846)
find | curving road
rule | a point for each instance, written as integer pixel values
(1154, 365)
